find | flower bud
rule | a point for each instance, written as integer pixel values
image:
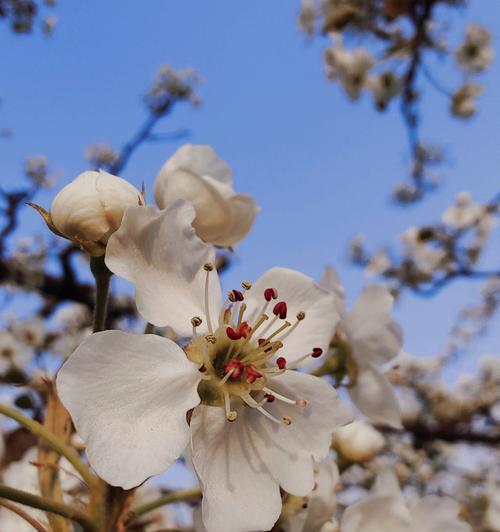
(196, 174)
(358, 441)
(91, 208)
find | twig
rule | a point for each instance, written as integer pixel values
(23, 515)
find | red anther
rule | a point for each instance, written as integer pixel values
(236, 295)
(281, 362)
(316, 352)
(232, 334)
(236, 368)
(270, 293)
(270, 397)
(262, 341)
(245, 329)
(202, 368)
(280, 310)
(252, 374)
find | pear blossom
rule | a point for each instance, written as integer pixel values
(90, 208)
(426, 257)
(463, 213)
(254, 423)
(30, 331)
(372, 338)
(384, 87)
(318, 510)
(476, 53)
(462, 101)
(197, 174)
(350, 67)
(13, 353)
(386, 509)
(358, 441)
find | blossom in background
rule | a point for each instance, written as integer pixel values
(350, 67)
(91, 207)
(30, 332)
(317, 512)
(255, 424)
(463, 213)
(371, 337)
(358, 441)
(13, 353)
(386, 509)
(384, 86)
(476, 53)
(425, 256)
(462, 101)
(197, 174)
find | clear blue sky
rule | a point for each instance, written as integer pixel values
(321, 168)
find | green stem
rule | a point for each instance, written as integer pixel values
(39, 430)
(35, 501)
(178, 496)
(102, 277)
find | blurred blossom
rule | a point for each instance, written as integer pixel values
(463, 213)
(462, 102)
(476, 53)
(358, 441)
(37, 170)
(13, 353)
(384, 86)
(172, 85)
(30, 331)
(101, 154)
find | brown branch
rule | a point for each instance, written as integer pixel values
(23, 515)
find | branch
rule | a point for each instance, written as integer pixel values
(23, 515)
(39, 430)
(35, 501)
(170, 498)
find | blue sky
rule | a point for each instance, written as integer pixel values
(321, 168)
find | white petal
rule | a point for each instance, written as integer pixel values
(300, 293)
(375, 336)
(330, 281)
(159, 252)
(128, 396)
(376, 513)
(239, 494)
(375, 397)
(323, 501)
(436, 514)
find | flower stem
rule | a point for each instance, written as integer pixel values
(102, 277)
(23, 515)
(38, 430)
(178, 496)
(35, 501)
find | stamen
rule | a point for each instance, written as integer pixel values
(252, 374)
(270, 397)
(280, 309)
(202, 368)
(196, 321)
(279, 396)
(235, 295)
(270, 293)
(315, 353)
(277, 331)
(258, 323)
(300, 316)
(226, 377)
(287, 420)
(281, 362)
(208, 267)
(246, 285)
(231, 415)
(236, 368)
(232, 334)
(243, 307)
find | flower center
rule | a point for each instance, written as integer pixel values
(240, 354)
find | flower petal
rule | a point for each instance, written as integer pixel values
(374, 396)
(376, 513)
(239, 494)
(435, 514)
(323, 502)
(300, 293)
(159, 252)
(330, 281)
(128, 396)
(375, 336)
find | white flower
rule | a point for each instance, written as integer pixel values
(378, 264)
(91, 207)
(259, 425)
(350, 67)
(197, 174)
(463, 213)
(359, 441)
(426, 257)
(386, 509)
(30, 332)
(12, 352)
(373, 338)
(321, 503)
(476, 53)
(384, 87)
(462, 102)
